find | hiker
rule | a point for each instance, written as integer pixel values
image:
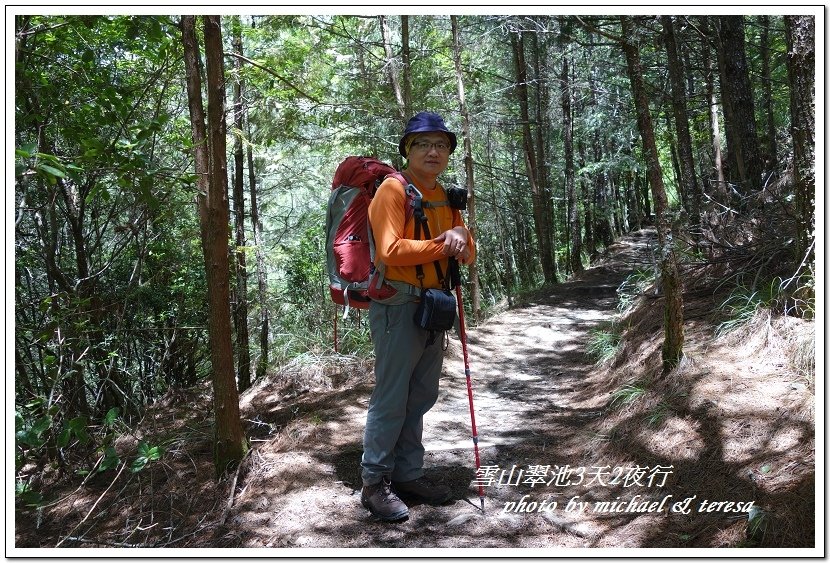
(408, 358)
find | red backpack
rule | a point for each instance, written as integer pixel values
(348, 245)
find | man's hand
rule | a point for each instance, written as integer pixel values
(455, 243)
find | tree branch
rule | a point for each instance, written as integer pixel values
(275, 75)
(78, 525)
(611, 36)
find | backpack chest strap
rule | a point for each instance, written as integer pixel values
(435, 204)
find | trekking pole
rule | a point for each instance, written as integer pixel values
(456, 277)
(335, 329)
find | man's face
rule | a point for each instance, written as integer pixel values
(429, 154)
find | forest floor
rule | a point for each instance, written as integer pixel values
(576, 454)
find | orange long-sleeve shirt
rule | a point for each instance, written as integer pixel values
(395, 244)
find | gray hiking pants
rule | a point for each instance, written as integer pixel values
(406, 386)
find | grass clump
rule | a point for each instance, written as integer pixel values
(744, 303)
(634, 285)
(659, 413)
(628, 393)
(604, 342)
(793, 297)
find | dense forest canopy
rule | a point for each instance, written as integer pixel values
(580, 129)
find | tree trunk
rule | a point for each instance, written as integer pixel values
(540, 77)
(685, 155)
(390, 67)
(406, 59)
(635, 187)
(587, 205)
(468, 163)
(262, 274)
(770, 143)
(670, 278)
(801, 60)
(575, 227)
(541, 221)
(230, 445)
(739, 110)
(240, 311)
(714, 124)
(506, 254)
(602, 198)
(525, 260)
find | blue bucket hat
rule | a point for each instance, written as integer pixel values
(426, 122)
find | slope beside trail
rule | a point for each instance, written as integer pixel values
(532, 389)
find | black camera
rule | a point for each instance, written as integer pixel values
(457, 197)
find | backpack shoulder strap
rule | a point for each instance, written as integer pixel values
(414, 200)
(416, 207)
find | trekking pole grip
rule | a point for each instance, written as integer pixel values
(454, 272)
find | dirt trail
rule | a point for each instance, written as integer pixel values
(531, 391)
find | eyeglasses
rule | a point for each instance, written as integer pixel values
(424, 146)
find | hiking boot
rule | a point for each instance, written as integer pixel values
(382, 502)
(423, 490)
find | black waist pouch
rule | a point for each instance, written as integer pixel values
(436, 311)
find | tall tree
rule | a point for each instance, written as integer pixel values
(541, 220)
(391, 66)
(406, 60)
(588, 203)
(767, 108)
(670, 277)
(230, 444)
(574, 222)
(688, 179)
(468, 160)
(801, 64)
(240, 309)
(712, 104)
(743, 153)
(262, 274)
(542, 131)
(508, 279)
(603, 216)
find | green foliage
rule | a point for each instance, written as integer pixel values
(110, 459)
(604, 343)
(305, 266)
(31, 432)
(356, 339)
(25, 494)
(77, 438)
(75, 427)
(744, 303)
(628, 393)
(304, 312)
(758, 523)
(101, 185)
(658, 414)
(146, 454)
